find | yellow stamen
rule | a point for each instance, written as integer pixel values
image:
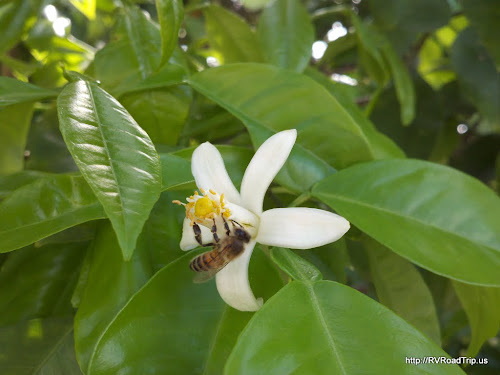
(202, 191)
(178, 202)
(211, 191)
(196, 193)
(203, 207)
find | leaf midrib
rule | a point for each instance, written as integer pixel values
(410, 218)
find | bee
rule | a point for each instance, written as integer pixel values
(206, 265)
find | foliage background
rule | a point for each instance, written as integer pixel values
(398, 116)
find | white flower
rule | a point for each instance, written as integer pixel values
(294, 228)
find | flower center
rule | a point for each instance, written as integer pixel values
(204, 209)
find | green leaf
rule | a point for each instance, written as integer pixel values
(14, 18)
(329, 328)
(14, 181)
(277, 99)
(477, 75)
(286, 34)
(482, 306)
(87, 7)
(255, 4)
(110, 282)
(231, 36)
(435, 216)
(179, 326)
(296, 267)
(13, 91)
(176, 172)
(15, 122)
(45, 207)
(161, 113)
(483, 16)
(115, 156)
(401, 288)
(37, 283)
(39, 347)
(170, 16)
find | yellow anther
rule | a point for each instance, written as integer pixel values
(211, 191)
(178, 202)
(196, 193)
(202, 191)
(203, 207)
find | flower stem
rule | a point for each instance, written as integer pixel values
(300, 199)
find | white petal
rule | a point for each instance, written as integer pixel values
(263, 167)
(232, 283)
(209, 172)
(244, 217)
(300, 227)
(188, 241)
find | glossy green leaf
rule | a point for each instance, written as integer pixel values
(180, 327)
(482, 306)
(37, 283)
(38, 347)
(110, 282)
(14, 126)
(286, 34)
(170, 16)
(87, 7)
(115, 156)
(483, 16)
(329, 328)
(14, 18)
(13, 91)
(331, 260)
(477, 75)
(176, 172)
(161, 113)
(435, 216)
(79, 233)
(277, 99)
(296, 267)
(14, 181)
(44, 207)
(401, 288)
(231, 36)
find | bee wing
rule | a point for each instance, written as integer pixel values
(203, 277)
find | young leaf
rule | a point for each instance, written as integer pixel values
(14, 126)
(231, 36)
(278, 99)
(327, 328)
(170, 16)
(482, 306)
(13, 91)
(110, 282)
(115, 156)
(45, 207)
(286, 34)
(435, 216)
(401, 288)
(295, 266)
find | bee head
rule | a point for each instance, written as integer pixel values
(242, 235)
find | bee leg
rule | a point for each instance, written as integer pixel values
(197, 236)
(214, 232)
(235, 222)
(226, 226)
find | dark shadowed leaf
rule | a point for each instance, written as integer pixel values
(435, 216)
(14, 181)
(39, 347)
(37, 283)
(45, 207)
(109, 283)
(328, 328)
(115, 156)
(13, 21)
(286, 34)
(401, 288)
